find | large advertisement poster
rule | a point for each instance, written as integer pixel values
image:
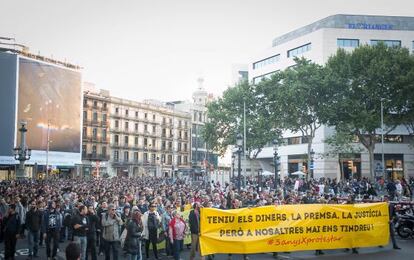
(49, 99)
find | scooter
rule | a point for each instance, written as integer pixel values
(405, 225)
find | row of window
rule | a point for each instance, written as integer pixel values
(94, 151)
(341, 42)
(387, 139)
(94, 116)
(154, 117)
(299, 50)
(267, 61)
(95, 103)
(153, 128)
(257, 79)
(148, 143)
(353, 43)
(290, 53)
(153, 159)
(95, 133)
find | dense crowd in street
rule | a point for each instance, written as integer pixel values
(118, 217)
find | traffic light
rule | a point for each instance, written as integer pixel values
(351, 165)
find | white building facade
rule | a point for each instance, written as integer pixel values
(201, 155)
(317, 42)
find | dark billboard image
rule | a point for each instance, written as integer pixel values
(49, 99)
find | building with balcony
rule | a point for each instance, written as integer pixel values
(148, 138)
(95, 132)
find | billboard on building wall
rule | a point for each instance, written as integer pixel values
(49, 100)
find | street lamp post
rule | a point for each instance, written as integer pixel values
(312, 166)
(382, 139)
(233, 157)
(259, 180)
(275, 160)
(239, 143)
(22, 153)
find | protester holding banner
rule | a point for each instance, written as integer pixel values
(177, 229)
(194, 220)
(392, 215)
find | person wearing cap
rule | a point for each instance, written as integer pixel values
(11, 228)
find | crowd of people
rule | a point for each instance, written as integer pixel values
(118, 217)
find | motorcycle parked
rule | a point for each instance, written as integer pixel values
(405, 224)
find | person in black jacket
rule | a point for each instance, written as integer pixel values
(93, 226)
(80, 228)
(51, 224)
(392, 215)
(194, 221)
(133, 238)
(33, 225)
(11, 232)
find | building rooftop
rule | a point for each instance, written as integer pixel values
(26, 53)
(347, 21)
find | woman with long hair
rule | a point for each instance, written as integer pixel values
(133, 238)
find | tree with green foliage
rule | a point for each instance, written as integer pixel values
(225, 120)
(357, 81)
(294, 97)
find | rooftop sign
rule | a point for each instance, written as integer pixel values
(369, 26)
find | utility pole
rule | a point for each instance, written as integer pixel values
(47, 149)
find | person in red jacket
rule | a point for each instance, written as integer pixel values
(177, 229)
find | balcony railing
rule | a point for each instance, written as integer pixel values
(95, 157)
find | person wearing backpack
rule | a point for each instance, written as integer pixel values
(51, 225)
(151, 221)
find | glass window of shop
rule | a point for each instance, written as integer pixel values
(394, 165)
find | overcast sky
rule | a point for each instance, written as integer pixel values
(158, 48)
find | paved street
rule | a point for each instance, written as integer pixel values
(376, 253)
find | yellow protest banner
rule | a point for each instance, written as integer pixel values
(293, 227)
